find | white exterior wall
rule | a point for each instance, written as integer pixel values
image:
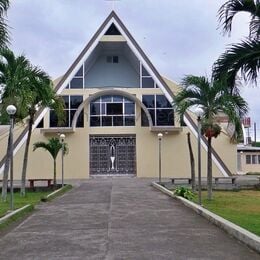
(104, 74)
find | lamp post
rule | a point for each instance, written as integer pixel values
(11, 110)
(160, 136)
(199, 113)
(62, 139)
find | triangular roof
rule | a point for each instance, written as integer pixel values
(110, 20)
(114, 20)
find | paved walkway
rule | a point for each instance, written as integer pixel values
(119, 219)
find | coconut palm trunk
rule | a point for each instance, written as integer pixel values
(192, 163)
(212, 97)
(6, 169)
(26, 154)
(209, 170)
(54, 173)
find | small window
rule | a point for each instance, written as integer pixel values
(130, 120)
(162, 102)
(95, 121)
(112, 30)
(147, 83)
(40, 125)
(164, 117)
(80, 72)
(115, 59)
(95, 109)
(76, 83)
(54, 119)
(148, 101)
(145, 72)
(112, 59)
(66, 101)
(75, 101)
(129, 108)
(114, 109)
(118, 121)
(144, 119)
(80, 121)
(254, 159)
(258, 159)
(109, 59)
(248, 159)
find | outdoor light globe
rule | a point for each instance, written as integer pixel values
(11, 110)
(160, 135)
(198, 111)
(62, 137)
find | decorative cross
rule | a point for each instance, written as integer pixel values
(113, 3)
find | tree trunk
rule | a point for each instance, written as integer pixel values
(192, 163)
(54, 175)
(6, 169)
(209, 174)
(25, 158)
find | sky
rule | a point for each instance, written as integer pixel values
(179, 37)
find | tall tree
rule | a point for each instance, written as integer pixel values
(53, 147)
(192, 163)
(212, 98)
(13, 80)
(28, 88)
(4, 36)
(242, 58)
(42, 94)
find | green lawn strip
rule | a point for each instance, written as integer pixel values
(16, 217)
(30, 198)
(240, 207)
(57, 193)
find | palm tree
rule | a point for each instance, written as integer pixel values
(4, 37)
(42, 94)
(244, 57)
(53, 147)
(192, 163)
(27, 87)
(212, 98)
(13, 79)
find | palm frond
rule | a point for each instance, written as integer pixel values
(4, 5)
(243, 57)
(4, 35)
(230, 8)
(212, 97)
(53, 146)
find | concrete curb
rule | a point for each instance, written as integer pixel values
(9, 215)
(52, 195)
(248, 238)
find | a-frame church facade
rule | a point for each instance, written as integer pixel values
(116, 104)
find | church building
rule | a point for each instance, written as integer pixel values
(116, 104)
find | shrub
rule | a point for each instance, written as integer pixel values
(184, 192)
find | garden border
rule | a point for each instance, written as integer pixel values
(241, 234)
(13, 213)
(57, 193)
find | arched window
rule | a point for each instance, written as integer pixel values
(112, 111)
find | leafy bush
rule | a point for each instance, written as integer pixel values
(184, 192)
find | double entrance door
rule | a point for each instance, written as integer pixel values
(112, 155)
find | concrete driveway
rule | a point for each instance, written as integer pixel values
(123, 218)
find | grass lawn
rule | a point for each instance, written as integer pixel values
(30, 198)
(240, 207)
